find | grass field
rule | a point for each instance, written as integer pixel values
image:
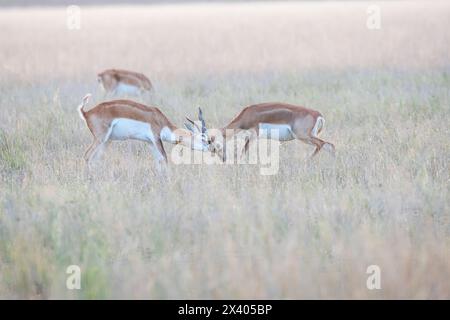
(225, 231)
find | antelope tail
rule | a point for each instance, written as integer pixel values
(82, 105)
(318, 126)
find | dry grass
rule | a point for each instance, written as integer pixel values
(226, 231)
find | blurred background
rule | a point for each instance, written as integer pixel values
(226, 231)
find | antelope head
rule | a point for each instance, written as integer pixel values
(199, 134)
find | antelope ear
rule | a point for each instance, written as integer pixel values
(195, 126)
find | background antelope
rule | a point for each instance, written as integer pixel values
(125, 119)
(124, 82)
(290, 121)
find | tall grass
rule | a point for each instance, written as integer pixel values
(226, 231)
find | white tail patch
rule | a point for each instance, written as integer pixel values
(83, 104)
(320, 122)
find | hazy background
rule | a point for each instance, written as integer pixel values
(310, 231)
(141, 2)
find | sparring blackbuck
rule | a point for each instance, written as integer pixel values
(279, 121)
(117, 81)
(126, 119)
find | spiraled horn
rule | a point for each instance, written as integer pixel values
(200, 117)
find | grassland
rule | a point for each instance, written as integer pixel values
(309, 231)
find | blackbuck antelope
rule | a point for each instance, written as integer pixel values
(125, 119)
(124, 82)
(289, 122)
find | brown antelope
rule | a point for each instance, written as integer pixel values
(289, 121)
(125, 119)
(123, 82)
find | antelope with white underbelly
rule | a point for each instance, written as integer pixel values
(118, 81)
(125, 119)
(288, 121)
